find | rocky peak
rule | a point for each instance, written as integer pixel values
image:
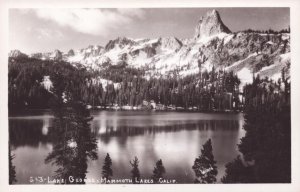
(94, 47)
(71, 52)
(121, 41)
(16, 53)
(56, 55)
(92, 50)
(209, 25)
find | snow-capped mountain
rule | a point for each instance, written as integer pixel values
(56, 55)
(213, 45)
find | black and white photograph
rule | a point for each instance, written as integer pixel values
(120, 96)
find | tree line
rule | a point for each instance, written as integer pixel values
(206, 91)
(269, 31)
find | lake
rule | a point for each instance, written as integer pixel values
(174, 137)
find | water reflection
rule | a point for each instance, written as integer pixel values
(176, 138)
(74, 145)
(109, 129)
(24, 132)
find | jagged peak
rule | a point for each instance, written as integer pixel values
(122, 38)
(57, 51)
(91, 50)
(94, 47)
(16, 53)
(56, 55)
(213, 13)
(71, 52)
(209, 25)
(122, 41)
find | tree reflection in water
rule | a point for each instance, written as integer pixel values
(121, 129)
(73, 142)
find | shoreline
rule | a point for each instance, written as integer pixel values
(20, 111)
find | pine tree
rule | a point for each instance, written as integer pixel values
(266, 146)
(74, 144)
(158, 171)
(135, 172)
(205, 166)
(237, 172)
(12, 169)
(107, 171)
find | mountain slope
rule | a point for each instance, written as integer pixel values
(213, 45)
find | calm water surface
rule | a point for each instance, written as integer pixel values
(174, 137)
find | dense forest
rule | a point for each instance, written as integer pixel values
(118, 85)
(265, 150)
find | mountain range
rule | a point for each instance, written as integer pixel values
(213, 45)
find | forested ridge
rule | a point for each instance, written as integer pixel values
(118, 85)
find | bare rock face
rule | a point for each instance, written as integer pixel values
(170, 43)
(92, 51)
(120, 41)
(71, 53)
(210, 25)
(57, 55)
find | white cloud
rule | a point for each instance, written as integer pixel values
(91, 21)
(132, 12)
(46, 33)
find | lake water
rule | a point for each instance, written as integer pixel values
(174, 137)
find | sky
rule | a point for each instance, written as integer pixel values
(44, 30)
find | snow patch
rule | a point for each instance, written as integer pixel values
(276, 76)
(228, 38)
(285, 57)
(113, 54)
(239, 62)
(205, 39)
(76, 58)
(267, 68)
(285, 36)
(47, 83)
(140, 60)
(245, 76)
